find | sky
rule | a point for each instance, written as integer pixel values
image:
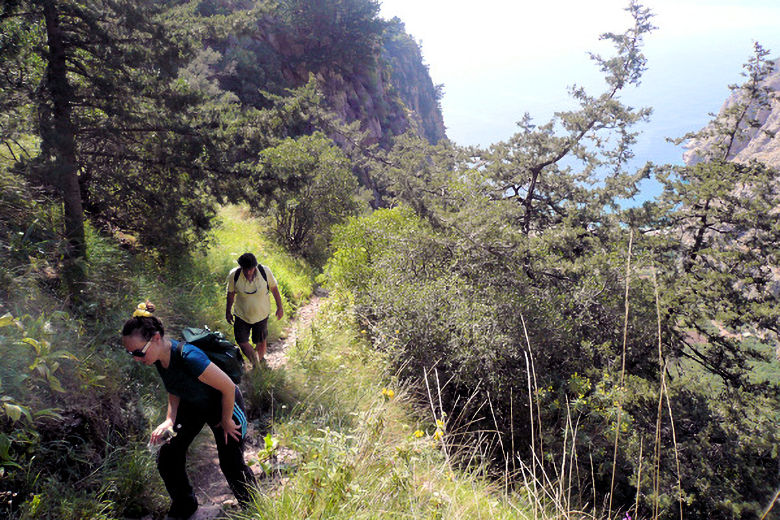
(499, 59)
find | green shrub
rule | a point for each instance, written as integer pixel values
(313, 189)
(360, 451)
(478, 318)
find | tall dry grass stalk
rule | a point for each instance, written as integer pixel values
(441, 415)
(542, 488)
(657, 447)
(771, 505)
(551, 493)
(529, 370)
(638, 479)
(664, 390)
(548, 490)
(622, 373)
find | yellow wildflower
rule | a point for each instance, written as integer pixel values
(418, 433)
(438, 434)
(440, 424)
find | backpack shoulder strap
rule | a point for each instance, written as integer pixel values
(261, 269)
(262, 272)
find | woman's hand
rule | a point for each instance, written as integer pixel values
(230, 428)
(216, 378)
(160, 434)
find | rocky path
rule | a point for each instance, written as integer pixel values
(203, 467)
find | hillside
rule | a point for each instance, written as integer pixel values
(368, 69)
(331, 434)
(502, 337)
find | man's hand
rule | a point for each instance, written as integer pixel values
(229, 306)
(278, 300)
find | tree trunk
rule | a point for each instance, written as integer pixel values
(60, 135)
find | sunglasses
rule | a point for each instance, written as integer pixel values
(141, 352)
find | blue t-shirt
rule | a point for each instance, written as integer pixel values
(181, 376)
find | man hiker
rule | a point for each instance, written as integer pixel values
(248, 286)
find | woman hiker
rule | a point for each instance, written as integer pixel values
(199, 393)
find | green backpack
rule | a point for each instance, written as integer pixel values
(218, 348)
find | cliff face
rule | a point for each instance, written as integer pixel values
(761, 142)
(410, 78)
(368, 69)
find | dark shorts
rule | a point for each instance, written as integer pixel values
(241, 330)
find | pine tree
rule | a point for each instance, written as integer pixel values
(716, 233)
(515, 273)
(121, 135)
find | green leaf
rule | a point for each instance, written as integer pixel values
(53, 413)
(55, 384)
(13, 411)
(33, 343)
(6, 319)
(270, 443)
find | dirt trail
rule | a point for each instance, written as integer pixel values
(203, 465)
(277, 351)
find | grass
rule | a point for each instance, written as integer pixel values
(361, 452)
(86, 457)
(364, 448)
(238, 232)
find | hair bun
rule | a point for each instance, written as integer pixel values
(144, 310)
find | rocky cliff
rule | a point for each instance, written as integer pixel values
(410, 79)
(368, 69)
(761, 141)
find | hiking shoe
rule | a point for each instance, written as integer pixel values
(182, 511)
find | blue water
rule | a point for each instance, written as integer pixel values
(686, 81)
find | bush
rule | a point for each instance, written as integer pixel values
(313, 189)
(549, 314)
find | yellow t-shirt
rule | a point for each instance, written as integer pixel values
(252, 302)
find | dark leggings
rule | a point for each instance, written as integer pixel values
(172, 456)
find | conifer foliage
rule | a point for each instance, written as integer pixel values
(111, 114)
(630, 341)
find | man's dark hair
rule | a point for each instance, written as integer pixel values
(247, 261)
